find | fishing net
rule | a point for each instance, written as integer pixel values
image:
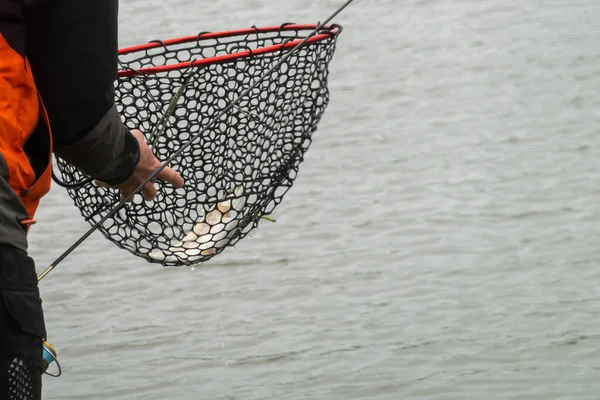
(241, 167)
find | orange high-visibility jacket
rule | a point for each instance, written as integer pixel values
(58, 61)
(26, 142)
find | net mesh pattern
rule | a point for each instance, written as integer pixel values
(20, 385)
(239, 169)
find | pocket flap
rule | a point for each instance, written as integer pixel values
(26, 309)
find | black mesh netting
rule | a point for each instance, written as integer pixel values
(20, 382)
(240, 168)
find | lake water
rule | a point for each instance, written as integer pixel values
(440, 242)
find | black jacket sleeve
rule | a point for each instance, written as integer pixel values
(72, 48)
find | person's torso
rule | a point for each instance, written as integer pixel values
(25, 138)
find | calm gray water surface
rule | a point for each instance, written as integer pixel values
(441, 241)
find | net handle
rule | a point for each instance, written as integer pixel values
(330, 32)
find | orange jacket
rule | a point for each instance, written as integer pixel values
(26, 144)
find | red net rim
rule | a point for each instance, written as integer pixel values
(327, 32)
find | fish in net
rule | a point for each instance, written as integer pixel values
(241, 167)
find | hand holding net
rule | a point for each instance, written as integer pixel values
(241, 167)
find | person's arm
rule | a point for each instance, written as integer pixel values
(72, 49)
(72, 46)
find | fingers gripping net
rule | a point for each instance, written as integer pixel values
(239, 169)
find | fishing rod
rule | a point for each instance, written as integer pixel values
(231, 105)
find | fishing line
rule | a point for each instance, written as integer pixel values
(231, 105)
